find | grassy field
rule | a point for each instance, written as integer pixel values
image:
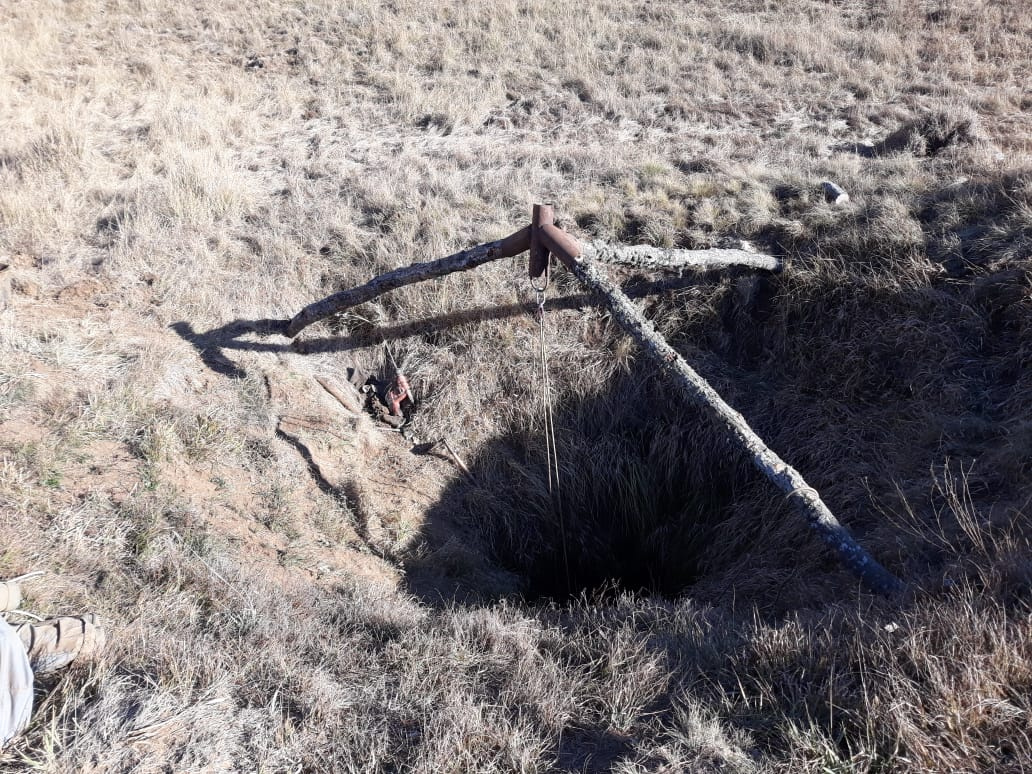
(288, 587)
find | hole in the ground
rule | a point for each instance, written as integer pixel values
(624, 527)
(642, 494)
(626, 519)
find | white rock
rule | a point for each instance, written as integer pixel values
(834, 193)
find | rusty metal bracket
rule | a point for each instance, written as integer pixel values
(546, 239)
(559, 243)
(539, 262)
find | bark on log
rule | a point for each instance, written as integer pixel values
(698, 390)
(641, 256)
(646, 257)
(514, 244)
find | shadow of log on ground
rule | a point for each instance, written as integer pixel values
(243, 335)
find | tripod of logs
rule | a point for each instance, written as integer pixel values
(541, 238)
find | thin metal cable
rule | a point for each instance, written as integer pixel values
(551, 447)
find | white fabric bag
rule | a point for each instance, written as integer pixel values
(15, 684)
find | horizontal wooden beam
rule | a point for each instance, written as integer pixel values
(648, 257)
(542, 239)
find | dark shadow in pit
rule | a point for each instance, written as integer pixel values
(592, 749)
(655, 498)
(647, 501)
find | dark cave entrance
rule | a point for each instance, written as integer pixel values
(641, 522)
(646, 496)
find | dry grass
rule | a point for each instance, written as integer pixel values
(322, 600)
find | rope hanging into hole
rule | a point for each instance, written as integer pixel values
(551, 447)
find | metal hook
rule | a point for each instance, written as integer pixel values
(545, 276)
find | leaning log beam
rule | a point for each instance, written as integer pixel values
(699, 392)
(647, 257)
(512, 245)
(640, 256)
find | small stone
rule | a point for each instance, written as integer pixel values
(25, 287)
(5, 285)
(833, 193)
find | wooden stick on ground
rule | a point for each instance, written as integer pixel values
(458, 460)
(698, 391)
(351, 403)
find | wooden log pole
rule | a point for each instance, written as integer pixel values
(647, 257)
(512, 245)
(639, 256)
(699, 392)
(348, 397)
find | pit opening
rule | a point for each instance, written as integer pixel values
(645, 503)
